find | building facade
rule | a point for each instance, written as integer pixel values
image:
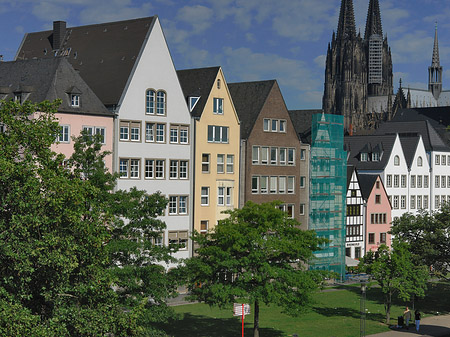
(355, 219)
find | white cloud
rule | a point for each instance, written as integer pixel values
(320, 61)
(48, 11)
(198, 17)
(412, 47)
(250, 37)
(113, 10)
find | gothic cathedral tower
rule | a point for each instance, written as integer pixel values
(358, 72)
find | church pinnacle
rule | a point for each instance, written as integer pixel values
(435, 60)
(346, 26)
(435, 70)
(373, 22)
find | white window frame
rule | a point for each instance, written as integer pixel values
(230, 163)
(75, 100)
(204, 196)
(217, 106)
(64, 134)
(221, 196)
(206, 162)
(220, 163)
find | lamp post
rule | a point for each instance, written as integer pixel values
(362, 323)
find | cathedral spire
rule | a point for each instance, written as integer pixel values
(346, 26)
(435, 70)
(373, 22)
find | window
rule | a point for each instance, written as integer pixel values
(436, 181)
(75, 100)
(173, 134)
(382, 237)
(155, 168)
(419, 181)
(178, 169)
(357, 252)
(291, 184)
(192, 102)
(302, 154)
(264, 182)
(283, 156)
(425, 201)
(150, 101)
(282, 185)
(403, 180)
(64, 134)
(130, 131)
(264, 155)
(389, 180)
(302, 209)
(204, 224)
(273, 185)
(395, 206)
(149, 132)
(230, 163)
(425, 181)
(97, 130)
(372, 238)
(255, 184)
(437, 159)
(419, 161)
(413, 181)
(158, 240)
(413, 202)
(302, 182)
(403, 201)
(160, 133)
(377, 185)
(204, 199)
(161, 103)
(291, 156)
(217, 134)
(443, 181)
(266, 124)
(396, 177)
(363, 156)
(375, 156)
(273, 155)
(419, 202)
(129, 168)
(220, 163)
(282, 126)
(443, 161)
(436, 201)
(221, 196)
(274, 125)
(218, 106)
(229, 196)
(205, 162)
(255, 155)
(178, 205)
(378, 199)
(218, 83)
(179, 238)
(397, 161)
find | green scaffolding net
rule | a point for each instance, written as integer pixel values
(328, 190)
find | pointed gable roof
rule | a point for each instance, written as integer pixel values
(373, 22)
(49, 79)
(249, 99)
(104, 54)
(346, 26)
(302, 120)
(366, 183)
(409, 146)
(198, 83)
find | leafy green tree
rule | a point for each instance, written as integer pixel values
(428, 235)
(257, 254)
(396, 273)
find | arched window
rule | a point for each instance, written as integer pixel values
(161, 103)
(397, 161)
(419, 161)
(150, 101)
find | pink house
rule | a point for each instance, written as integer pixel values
(377, 213)
(38, 80)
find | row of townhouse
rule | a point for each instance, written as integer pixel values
(404, 167)
(208, 146)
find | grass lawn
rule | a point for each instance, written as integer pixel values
(335, 313)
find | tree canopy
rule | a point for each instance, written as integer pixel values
(76, 257)
(257, 254)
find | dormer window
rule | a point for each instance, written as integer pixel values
(363, 156)
(193, 101)
(375, 156)
(18, 97)
(75, 100)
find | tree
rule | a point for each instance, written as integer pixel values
(63, 232)
(396, 273)
(257, 254)
(428, 235)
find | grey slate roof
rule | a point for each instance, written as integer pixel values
(104, 54)
(199, 83)
(49, 79)
(350, 169)
(409, 146)
(366, 182)
(431, 139)
(302, 120)
(438, 117)
(354, 145)
(249, 99)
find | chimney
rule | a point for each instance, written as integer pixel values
(59, 31)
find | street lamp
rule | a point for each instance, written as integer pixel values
(362, 323)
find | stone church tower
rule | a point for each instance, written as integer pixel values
(358, 72)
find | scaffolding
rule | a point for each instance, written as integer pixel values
(375, 59)
(328, 191)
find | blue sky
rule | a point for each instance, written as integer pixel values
(254, 39)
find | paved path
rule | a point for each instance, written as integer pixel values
(435, 326)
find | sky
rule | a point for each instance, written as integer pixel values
(254, 40)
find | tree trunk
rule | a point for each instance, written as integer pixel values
(256, 320)
(388, 307)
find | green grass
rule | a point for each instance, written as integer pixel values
(335, 313)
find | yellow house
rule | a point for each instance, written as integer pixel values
(216, 145)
